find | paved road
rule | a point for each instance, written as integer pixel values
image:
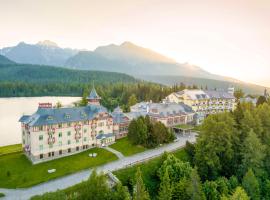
(70, 180)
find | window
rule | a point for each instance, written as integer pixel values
(77, 148)
(60, 134)
(23, 133)
(60, 152)
(68, 141)
(50, 118)
(68, 133)
(85, 130)
(67, 116)
(23, 141)
(49, 154)
(40, 137)
(69, 150)
(83, 115)
(51, 146)
(53, 153)
(40, 147)
(40, 128)
(77, 141)
(84, 139)
(41, 156)
(59, 125)
(69, 124)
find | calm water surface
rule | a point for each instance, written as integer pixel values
(11, 109)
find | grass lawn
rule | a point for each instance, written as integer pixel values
(185, 126)
(16, 171)
(2, 195)
(150, 178)
(126, 148)
(10, 149)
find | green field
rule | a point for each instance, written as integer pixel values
(16, 171)
(150, 178)
(185, 126)
(10, 149)
(126, 148)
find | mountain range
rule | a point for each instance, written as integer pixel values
(42, 53)
(126, 58)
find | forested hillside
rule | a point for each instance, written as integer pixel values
(35, 80)
(4, 60)
(19, 80)
(48, 74)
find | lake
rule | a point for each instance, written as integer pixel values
(11, 109)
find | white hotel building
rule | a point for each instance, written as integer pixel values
(55, 132)
(205, 102)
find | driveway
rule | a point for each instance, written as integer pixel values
(70, 180)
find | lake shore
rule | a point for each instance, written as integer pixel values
(12, 108)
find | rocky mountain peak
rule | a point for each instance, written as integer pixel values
(47, 43)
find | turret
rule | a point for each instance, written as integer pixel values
(93, 98)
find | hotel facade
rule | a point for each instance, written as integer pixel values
(205, 102)
(55, 132)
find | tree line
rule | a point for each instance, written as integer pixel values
(143, 131)
(128, 94)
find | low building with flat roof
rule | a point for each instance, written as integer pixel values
(170, 114)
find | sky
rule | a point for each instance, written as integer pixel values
(225, 37)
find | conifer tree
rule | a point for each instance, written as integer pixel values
(251, 185)
(253, 153)
(139, 191)
(194, 188)
(239, 194)
(120, 193)
(165, 189)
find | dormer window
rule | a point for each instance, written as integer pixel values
(67, 116)
(50, 118)
(83, 114)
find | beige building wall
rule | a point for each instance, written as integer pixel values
(204, 107)
(65, 137)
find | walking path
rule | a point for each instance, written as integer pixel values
(70, 180)
(117, 153)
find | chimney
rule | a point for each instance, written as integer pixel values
(45, 105)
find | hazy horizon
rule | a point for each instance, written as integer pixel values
(223, 37)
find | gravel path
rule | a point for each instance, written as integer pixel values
(70, 180)
(117, 153)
